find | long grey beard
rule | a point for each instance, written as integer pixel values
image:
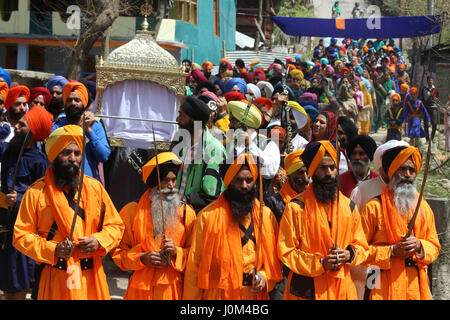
(405, 194)
(170, 203)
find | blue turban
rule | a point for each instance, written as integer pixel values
(333, 40)
(310, 109)
(298, 57)
(359, 70)
(239, 82)
(59, 81)
(324, 61)
(220, 84)
(5, 75)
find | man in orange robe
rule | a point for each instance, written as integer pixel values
(229, 242)
(147, 232)
(296, 183)
(45, 219)
(402, 262)
(319, 236)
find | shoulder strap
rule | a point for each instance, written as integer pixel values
(248, 233)
(299, 202)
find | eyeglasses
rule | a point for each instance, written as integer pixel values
(36, 102)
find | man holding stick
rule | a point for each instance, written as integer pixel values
(402, 257)
(320, 233)
(151, 230)
(45, 221)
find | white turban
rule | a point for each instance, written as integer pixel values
(383, 148)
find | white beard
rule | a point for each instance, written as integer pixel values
(405, 194)
(171, 201)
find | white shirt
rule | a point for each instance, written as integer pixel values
(270, 156)
(366, 190)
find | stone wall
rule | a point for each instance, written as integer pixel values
(30, 79)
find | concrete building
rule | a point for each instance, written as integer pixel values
(39, 35)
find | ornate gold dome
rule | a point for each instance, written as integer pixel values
(141, 59)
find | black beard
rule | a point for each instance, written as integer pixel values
(241, 204)
(56, 106)
(14, 115)
(66, 173)
(189, 127)
(17, 142)
(324, 191)
(73, 114)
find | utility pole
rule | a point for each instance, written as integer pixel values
(431, 12)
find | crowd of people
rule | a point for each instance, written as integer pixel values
(283, 204)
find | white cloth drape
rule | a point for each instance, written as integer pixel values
(139, 99)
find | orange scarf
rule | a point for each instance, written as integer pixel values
(395, 228)
(63, 218)
(287, 192)
(148, 277)
(221, 262)
(321, 238)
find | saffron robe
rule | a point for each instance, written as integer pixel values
(217, 261)
(150, 283)
(305, 237)
(36, 215)
(383, 227)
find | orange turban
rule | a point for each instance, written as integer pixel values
(414, 90)
(396, 96)
(163, 158)
(291, 67)
(314, 153)
(396, 157)
(15, 93)
(79, 89)
(404, 88)
(293, 162)
(244, 159)
(207, 64)
(402, 67)
(40, 122)
(3, 90)
(61, 138)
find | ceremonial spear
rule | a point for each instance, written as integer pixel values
(287, 110)
(338, 153)
(164, 253)
(261, 209)
(416, 211)
(5, 229)
(69, 240)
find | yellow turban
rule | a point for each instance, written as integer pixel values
(300, 115)
(293, 162)
(196, 66)
(163, 158)
(238, 109)
(61, 138)
(244, 159)
(253, 63)
(79, 89)
(296, 74)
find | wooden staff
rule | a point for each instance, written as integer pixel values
(416, 211)
(164, 253)
(261, 209)
(69, 240)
